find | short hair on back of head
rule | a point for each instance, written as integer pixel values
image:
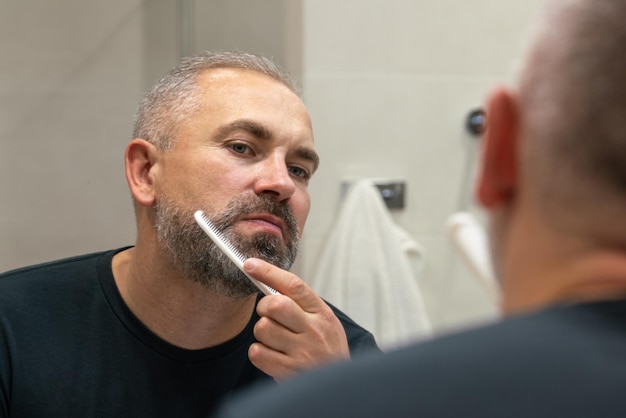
(173, 98)
(573, 97)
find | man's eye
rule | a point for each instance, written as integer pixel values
(239, 148)
(298, 172)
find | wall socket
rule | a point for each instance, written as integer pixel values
(393, 192)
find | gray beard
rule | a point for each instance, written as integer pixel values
(193, 253)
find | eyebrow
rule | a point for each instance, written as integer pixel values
(250, 126)
(261, 132)
(309, 155)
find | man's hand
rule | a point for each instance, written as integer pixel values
(297, 329)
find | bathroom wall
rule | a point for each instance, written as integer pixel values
(388, 83)
(71, 72)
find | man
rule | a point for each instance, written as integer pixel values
(553, 181)
(169, 326)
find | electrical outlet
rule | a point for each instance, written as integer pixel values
(393, 194)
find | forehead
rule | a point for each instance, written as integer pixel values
(229, 94)
(225, 85)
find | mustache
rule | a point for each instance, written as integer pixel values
(239, 207)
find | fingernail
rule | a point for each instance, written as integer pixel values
(250, 264)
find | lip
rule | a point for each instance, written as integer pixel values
(265, 219)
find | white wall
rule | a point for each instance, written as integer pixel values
(70, 75)
(388, 83)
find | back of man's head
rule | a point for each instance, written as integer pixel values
(572, 96)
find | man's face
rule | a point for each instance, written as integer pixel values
(200, 260)
(245, 158)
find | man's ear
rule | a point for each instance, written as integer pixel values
(497, 178)
(140, 158)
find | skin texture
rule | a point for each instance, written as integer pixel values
(251, 136)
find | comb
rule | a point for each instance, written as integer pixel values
(229, 249)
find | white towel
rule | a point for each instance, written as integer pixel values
(370, 269)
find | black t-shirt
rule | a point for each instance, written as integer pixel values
(70, 347)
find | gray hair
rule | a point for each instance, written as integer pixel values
(173, 98)
(573, 101)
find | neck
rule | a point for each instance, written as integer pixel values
(595, 276)
(544, 261)
(182, 312)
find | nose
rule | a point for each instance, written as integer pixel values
(273, 178)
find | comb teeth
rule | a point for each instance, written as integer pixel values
(229, 249)
(222, 238)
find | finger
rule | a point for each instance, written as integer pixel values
(271, 362)
(286, 283)
(284, 311)
(275, 335)
(315, 339)
(295, 352)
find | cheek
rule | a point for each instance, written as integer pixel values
(300, 210)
